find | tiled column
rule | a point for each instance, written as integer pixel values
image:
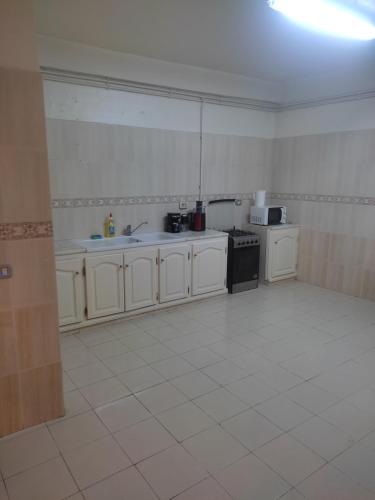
(30, 367)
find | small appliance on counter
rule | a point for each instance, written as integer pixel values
(266, 215)
(198, 217)
(173, 222)
(243, 260)
(269, 215)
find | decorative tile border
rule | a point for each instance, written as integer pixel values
(25, 230)
(142, 200)
(325, 198)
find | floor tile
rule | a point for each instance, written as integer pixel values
(312, 397)
(214, 449)
(95, 461)
(329, 483)
(173, 367)
(293, 461)
(208, 489)
(163, 333)
(128, 484)
(68, 384)
(161, 397)
(155, 353)
(138, 340)
(227, 348)
(95, 335)
(250, 479)
(225, 372)
(278, 378)
(122, 413)
(185, 420)
(322, 437)
(121, 329)
(48, 481)
(3, 493)
(363, 399)
(358, 463)
(171, 472)
(108, 349)
(141, 378)
(144, 439)
(78, 430)
(293, 494)
(251, 429)
(74, 404)
(352, 420)
(25, 450)
(183, 344)
(220, 404)
(283, 412)
(194, 384)
(104, 391)
(86, 375)
(124, 362)
(251, 390)
(202, 357)
(76, 357)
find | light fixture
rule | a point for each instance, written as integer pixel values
(327, 16)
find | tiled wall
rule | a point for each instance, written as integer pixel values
(337, 247)
(140, 158)
(30, 370)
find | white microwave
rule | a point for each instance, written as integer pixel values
(269, 215)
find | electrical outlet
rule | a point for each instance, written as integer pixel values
(183, 205)
(5, 271)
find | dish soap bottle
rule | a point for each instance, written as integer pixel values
(109, 227)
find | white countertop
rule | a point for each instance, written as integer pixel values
(69, 247)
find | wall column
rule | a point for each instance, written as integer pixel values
(30, 365)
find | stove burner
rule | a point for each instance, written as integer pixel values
(236, 233)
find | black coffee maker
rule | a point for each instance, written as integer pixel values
(173, 222)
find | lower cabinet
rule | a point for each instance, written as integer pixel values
(104, 285)
(282, 253)
(140, 278)
(209, 266)
(70, 290)
(174, 275)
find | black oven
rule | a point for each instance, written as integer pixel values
(243, 261)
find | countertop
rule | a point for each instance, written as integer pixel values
(70, 247)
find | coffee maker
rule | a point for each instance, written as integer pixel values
(173, 222)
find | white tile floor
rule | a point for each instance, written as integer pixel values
(268, 394)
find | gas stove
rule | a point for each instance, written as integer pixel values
(243, 238)
(243, 260)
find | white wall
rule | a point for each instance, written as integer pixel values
(58, 53)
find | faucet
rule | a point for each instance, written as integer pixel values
(128, 231)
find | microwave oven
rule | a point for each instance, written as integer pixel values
(269, 215)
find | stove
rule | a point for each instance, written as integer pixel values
(243, 238)
(243, 260)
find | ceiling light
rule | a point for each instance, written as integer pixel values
(328, 17)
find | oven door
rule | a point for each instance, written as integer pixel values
(275, 215)
(243, 268)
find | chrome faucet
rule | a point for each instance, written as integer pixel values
(128, 231)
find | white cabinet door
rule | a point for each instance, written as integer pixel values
(70, 290)
(104, 285)
(209, 266)
(282, 258)
(174, 267)
(140, 278)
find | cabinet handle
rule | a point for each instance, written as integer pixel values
(77, 273)
(126, 266)
(195, 255)
(161, 260)
(120, 266)
(276, 242)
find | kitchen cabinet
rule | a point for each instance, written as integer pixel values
(70, 290)
(140, 278)
(98, 286)
(279, 251)
(174, 275)
(104, 285)
(209, 266)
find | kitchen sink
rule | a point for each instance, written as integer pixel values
(108, 243)
(158, 236)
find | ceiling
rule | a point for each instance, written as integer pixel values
(245, 37)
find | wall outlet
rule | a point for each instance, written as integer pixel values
(5, 271)
(183, 205)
